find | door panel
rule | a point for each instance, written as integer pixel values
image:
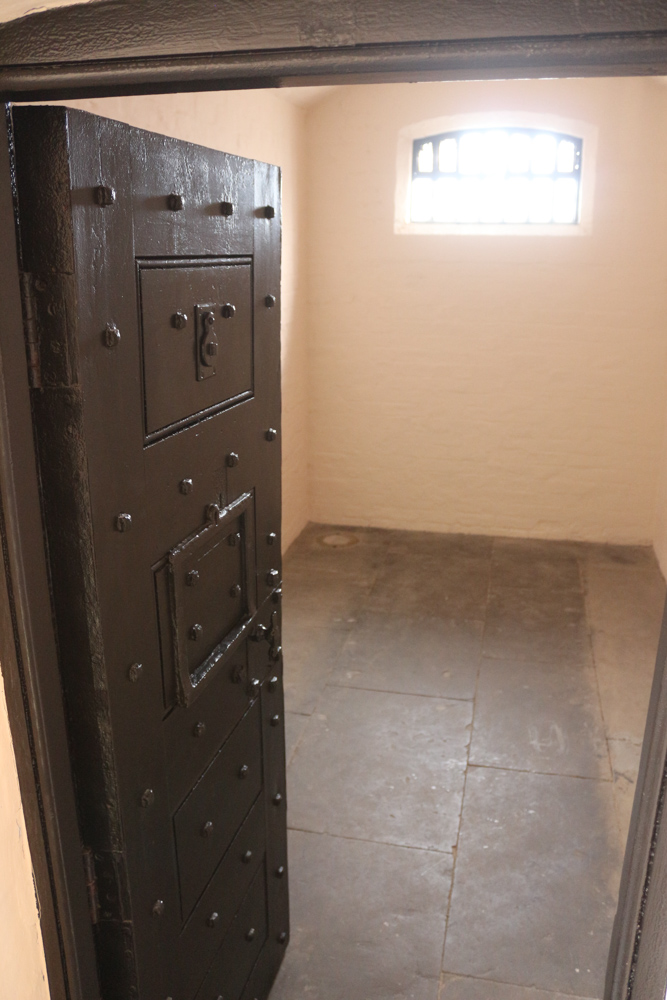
(197, 345)
(153, 278)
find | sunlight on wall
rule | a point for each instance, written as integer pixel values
(488, 384)
(21, 951)
(11, 9)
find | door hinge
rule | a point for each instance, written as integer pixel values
(31, 331)
(91, 884)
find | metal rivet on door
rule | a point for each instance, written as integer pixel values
(247, 857)
(195, 633)
(213, 513)
(186, 486)
(175, 202)
(275, 720)
(282, 937)
(147, 798)
(207, 828)
(134, 673)
(104, 195)
(277, 799)
(272, 576)
(280, 871)
(232, 459)
(269, 212)
(269, 301)
(123, 522)
(273, 683)
(179, 320)
(271, 538)
(235, 590)
(243, 771)
(228, 310)
(199, 729)
(111, 336)
(213, 919)
(158, 908)
(250, 934)
(226, 208)
(192, 578)
(271, 434)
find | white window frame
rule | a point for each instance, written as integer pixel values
(494, 119)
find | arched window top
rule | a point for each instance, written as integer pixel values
(496, 176)
(497, 173)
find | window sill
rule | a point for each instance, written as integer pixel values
(461, 229)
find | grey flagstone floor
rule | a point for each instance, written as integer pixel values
(464, 717)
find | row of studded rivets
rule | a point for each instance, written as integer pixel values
(106, 195)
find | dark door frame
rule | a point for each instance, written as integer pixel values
(115, 47)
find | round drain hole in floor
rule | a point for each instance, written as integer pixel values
(339, 540)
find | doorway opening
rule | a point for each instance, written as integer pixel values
(501, 467)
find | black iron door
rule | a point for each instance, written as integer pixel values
(151, 282)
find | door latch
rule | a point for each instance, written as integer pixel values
(207, 345)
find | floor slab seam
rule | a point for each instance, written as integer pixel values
(401, 694)
(605, 722)
(368, 840)
(544, 774)
(516, 986)
(409, 694)
(467, 768)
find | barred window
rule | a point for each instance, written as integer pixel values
(497, 176)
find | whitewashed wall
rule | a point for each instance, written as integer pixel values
(500, 385)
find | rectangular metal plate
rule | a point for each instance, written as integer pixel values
(213, 593)
(176, 297)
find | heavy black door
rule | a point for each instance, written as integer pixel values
(150, 272)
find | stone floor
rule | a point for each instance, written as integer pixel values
(464, 718)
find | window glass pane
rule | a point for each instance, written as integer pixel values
(519, 153)
(565, 156)
(469, 199)
(447, 156)
(517, 199)
(425, 159)
(446, 200)
(543, 160)
(566, 196)
(492, 200)
(496, 176)
(471, 153)
(541, 199)
(496, 152)
(422, 200)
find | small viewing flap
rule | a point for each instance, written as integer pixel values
(196, 328)
(213, 599)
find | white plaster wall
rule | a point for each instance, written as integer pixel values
(11, 9)
(660, 524)
(22, 966)
(501, 385)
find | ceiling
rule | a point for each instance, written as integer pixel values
(305, 97)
